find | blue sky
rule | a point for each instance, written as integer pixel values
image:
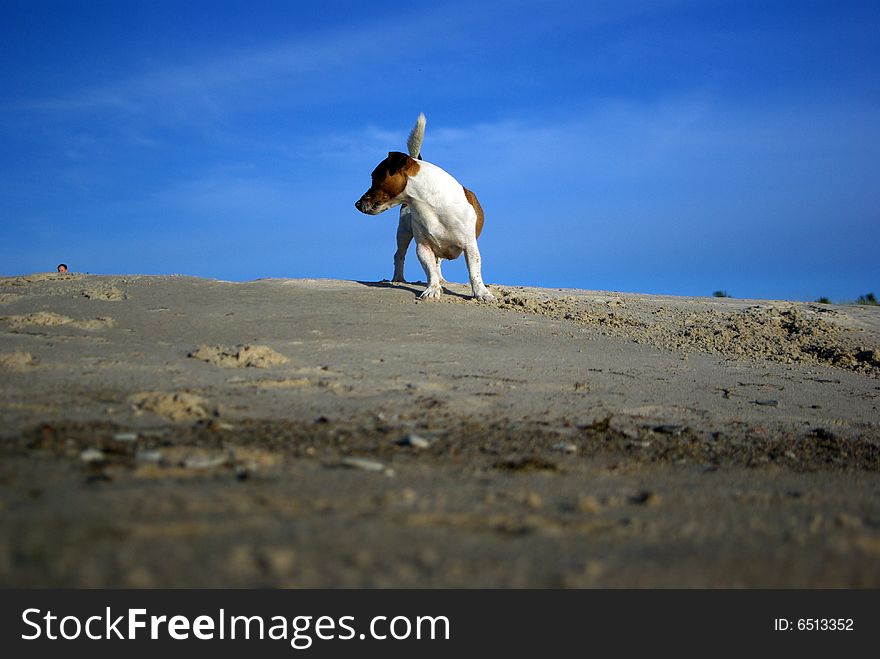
(660, 147)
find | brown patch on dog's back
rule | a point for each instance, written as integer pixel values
(472, 200)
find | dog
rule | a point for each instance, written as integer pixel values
(443, 216)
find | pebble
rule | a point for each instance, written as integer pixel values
(407, 496)
(204, 461)
(669, 429)
(565, 447)
(646, 498)
(92, 455)
(214, 425)
(533, 500)
(589, 504)
(415, 441)
(148, 456)
(125, 436)
(362, 463)
(767, 402)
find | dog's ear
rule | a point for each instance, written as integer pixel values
(400, 162)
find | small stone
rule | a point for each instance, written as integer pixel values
(415, 441)
(92, 455)
(125, 436)
(407, 496)
(565, 447)
(279, 559)
(148, 456)
(767, 402)
(363, 464)
(669, 429)
(533, 500)
(589, 504)
(204, 461)
(646, 498)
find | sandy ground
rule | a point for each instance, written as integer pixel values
(173, 431)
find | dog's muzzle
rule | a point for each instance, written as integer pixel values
(366, 207)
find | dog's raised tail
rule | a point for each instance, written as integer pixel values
(416, 135)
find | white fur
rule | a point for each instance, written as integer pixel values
(443, 225)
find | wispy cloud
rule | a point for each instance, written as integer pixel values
(227, 80)
(186, 91)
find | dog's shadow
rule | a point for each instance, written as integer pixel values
(408, 286)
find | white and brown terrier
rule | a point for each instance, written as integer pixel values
(442, 215)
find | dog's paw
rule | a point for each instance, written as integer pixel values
(484, 296)
(433, 292)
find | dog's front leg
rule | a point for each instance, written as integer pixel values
(429, 262)
(404, 236)
(474, 263)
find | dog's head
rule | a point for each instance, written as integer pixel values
(389, 181)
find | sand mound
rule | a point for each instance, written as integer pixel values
(239, 356)
(180, 406)
(35, 278)
(108, 293)
(16, 361)
(51, 319)
(784, 334)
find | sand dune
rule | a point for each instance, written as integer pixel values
(174, 431)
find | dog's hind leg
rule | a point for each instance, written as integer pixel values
(474, 263)
(404, 237)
